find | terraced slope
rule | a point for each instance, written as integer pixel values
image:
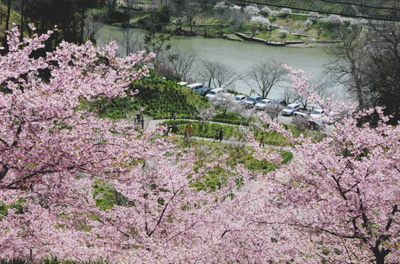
(378, 9)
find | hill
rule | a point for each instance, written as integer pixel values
(156, 97)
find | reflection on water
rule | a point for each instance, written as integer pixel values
(241, 56)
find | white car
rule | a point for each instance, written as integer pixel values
(261, 104)
(214, 92)
(290, 109)
(240, 98)
(304, 115)
(317, 113)
(195, 86)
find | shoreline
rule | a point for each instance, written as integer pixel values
(245, 38)
(294, 44)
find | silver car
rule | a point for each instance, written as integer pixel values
(290, 109)
(261, 104)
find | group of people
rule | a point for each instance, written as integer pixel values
(139, 120)
(173, 128)
(219, 134)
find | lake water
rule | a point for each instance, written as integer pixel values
(241, 56)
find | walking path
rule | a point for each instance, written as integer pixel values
(150, 126)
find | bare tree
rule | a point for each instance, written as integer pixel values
(129, 40)
(266, 75)
(289, 95)
(349, 62)
(273, 110)
(217, 74)
(183, 63)
(369, 63)
(189, 9)
(92, 27)
(383, 66)
(157, 43)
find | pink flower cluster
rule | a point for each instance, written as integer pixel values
(336, 201)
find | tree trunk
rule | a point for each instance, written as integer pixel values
(380, 254)
(22, 20)
(8, 14)
(83, 12)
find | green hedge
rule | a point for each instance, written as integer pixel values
(157, 96)
(207, 130)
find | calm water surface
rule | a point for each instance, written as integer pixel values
(241, 56)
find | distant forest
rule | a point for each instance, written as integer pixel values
(68, 15)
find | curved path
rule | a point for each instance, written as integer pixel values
(150, 126)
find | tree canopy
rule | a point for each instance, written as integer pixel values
(337, 201)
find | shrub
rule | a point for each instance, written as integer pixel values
(308, 23)
(283, 32)
(251, 10)
(266, 10)
(313, 16)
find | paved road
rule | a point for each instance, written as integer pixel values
(151, 127)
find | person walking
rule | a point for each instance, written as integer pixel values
(221, 134)
(138, 118)
(262, 140)
(190, 130)
(173, 115)
(216, 136)
(175, 128)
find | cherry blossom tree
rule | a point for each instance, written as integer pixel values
(308, 23)
(205, 114)
(286, 11)
(53, 151)
(251, 10)
(340, 194)
(335, 202)
(261, 21)
(225, 102)
(267, 10)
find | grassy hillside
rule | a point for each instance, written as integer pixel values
(157, 98)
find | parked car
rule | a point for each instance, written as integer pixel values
(304, 115)
(182, 83)
(317, 113)
(261, 104)
(252, 100)
(279, 101)
(203, 91)
(214, 92)
(290, 109)
(240, 98)
(195, 86)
